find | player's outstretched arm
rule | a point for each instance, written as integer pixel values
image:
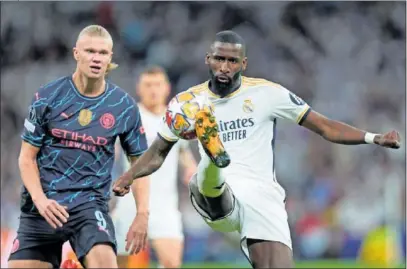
(149, 162)
(341, 133)
(53, 213)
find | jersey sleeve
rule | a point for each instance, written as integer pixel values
(289, 106)
(133, 140)
(35, 122)
(165, 133)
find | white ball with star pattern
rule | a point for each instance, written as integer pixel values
(181, 111)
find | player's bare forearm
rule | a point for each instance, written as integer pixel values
(334, 131)
(30, 174)
(141, 191)
(342, 133)
(152, 159)
(137, 234)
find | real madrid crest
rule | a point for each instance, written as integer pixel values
(85, 117)
(248, 106)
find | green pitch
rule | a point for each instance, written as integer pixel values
(313, 264)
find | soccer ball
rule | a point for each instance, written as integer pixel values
(181, 111)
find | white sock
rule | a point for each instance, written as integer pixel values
(209, 177)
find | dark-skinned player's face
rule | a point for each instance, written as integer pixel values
(226, 63)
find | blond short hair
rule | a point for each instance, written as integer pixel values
(99, 31)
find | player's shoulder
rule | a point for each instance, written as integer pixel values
(199, 88)
(251, 82)
(263, 87)
(50, 87)
(118, 92)
(121, 102)
(193, 91)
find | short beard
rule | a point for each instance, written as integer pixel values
(225, 86)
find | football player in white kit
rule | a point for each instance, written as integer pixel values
(165, 223)
(245, 195)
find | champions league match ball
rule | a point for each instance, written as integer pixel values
(181, 111)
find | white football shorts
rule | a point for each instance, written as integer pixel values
(164, 223)
(259, 216)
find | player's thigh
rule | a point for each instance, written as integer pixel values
(36, 243)
(169, 251)
(101, 255)
(264, 218)
(269, 254)
(165, 222)
(93, 238)
(29, 264)
(228, 221)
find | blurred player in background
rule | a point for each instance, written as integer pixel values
(165, 223)
(66, 159)
(245, 196)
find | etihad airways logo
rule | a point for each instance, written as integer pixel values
(235, 129)
(79, 140)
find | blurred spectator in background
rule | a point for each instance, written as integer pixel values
(346, 59)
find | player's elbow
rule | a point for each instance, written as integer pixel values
(326, 129)
(327, 135)
(26, 164)
(331, 131)
(28, 155)
(320, 125)
(24, 161)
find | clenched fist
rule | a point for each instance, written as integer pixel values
(388, 140)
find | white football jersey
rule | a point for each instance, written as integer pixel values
(163, 182)
(247, 121)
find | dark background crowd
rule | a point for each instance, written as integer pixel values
(346, 59)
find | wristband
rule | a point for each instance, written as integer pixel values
(369, 138)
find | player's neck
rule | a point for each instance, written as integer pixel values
(88, 87)
(222, 91)
(155, 109)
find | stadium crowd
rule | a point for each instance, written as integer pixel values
(346, 59)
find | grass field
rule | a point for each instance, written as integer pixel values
(313, 264)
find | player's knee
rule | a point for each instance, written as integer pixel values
(214, 207)
(101, 256)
